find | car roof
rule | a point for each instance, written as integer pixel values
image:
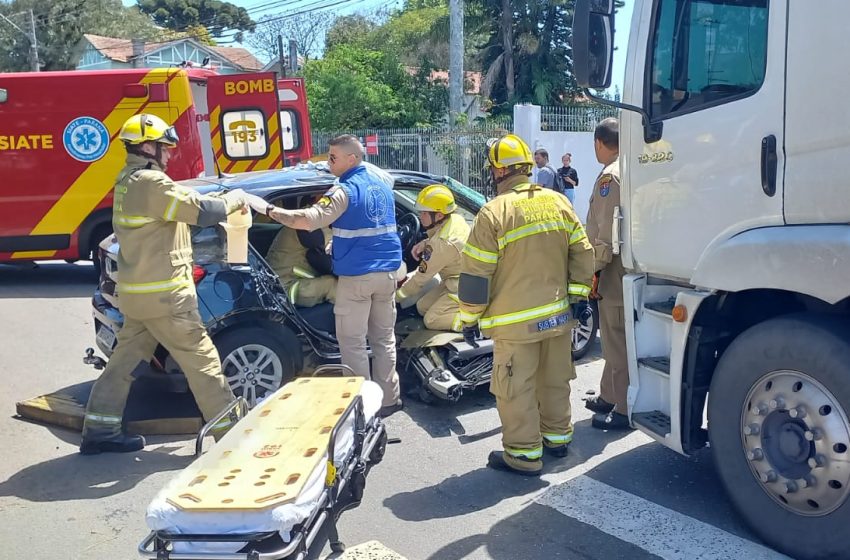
(302, 177)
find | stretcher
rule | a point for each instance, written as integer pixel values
(266, 489)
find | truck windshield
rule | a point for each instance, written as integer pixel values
(705, 52)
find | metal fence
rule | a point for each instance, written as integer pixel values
(458, 152)
(574, 118)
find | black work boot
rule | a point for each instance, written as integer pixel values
(611, 421)
(497, 461)
(121, 443)
(597, 404)
(556, 450)
(390, 409)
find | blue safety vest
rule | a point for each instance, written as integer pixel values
(365, 236)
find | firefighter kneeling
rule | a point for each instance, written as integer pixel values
(157, 294)
(439, 253)
(526, 261)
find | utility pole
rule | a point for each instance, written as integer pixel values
(30, 37)
(456, 75)
(280, 56)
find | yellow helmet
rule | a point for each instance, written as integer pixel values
(436, 198)
(508, 151)
(147, 128)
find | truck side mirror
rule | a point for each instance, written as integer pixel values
(593, 43)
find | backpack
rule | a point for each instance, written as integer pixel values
(560, 184)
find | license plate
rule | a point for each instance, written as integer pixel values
(106, 337)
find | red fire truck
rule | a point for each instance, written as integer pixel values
(59, 153)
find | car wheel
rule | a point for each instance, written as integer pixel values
(779, 431)
(584, 333)
(257, 361)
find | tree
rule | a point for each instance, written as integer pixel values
(355, 29)
(306, 29)
(356, 87)
(218, 17)
(60, 26)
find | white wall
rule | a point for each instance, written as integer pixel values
(579, 144)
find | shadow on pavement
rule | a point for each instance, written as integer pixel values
(55, 279)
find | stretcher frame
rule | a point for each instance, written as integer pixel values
(367, 438)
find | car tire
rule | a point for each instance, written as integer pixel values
(584, 334)
(760, 445)
(258, 361)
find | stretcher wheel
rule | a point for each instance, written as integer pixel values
(338, 547)
(377, 454)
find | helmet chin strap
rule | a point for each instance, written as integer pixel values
(435, 223)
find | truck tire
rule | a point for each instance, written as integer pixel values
(777, 422)
(275, 352)
(584, 333)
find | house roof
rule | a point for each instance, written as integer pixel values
(121, 50)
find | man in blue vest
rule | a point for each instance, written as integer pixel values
(366, 255)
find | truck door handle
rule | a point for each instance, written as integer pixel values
(768, 165)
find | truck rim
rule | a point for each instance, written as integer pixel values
(253, 369)
(796, 436)
(583, 330)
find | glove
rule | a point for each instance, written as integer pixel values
(257, 204)
(470, 333)
(416, 250)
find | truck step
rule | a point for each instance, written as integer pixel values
(656, 421)
(658, 363)
(661, 307)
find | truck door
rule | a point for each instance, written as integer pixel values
(714, 77)
(294, 120)
(244, 122)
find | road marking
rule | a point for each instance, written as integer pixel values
(654, 528)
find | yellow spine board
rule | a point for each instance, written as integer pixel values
(266, 459)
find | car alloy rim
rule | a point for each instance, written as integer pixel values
(796, 437)
(253, 370)
(583, 330)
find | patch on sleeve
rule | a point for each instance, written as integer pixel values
(604, 189)
(325, 201)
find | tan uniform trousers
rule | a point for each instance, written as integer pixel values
(615, 376)
(531, 382)
(309, 292)
(365, 309)
(186, 340)
(440, 310)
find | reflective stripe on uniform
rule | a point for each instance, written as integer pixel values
(532, 454)
(578, 290)
(524, 315)
(132, 221)
(480, 254)
(457, 324)
(453, 297)
(557, 439)
(300, 272)
(103, 418)
(578, 234)
(293, 292)
(533, 229)
(154, 287)
(363, 232)
(171, 211)
(468, 317)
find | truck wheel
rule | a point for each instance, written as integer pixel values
(584, 333)
(258, 361)
(779, 432)
(100, 233)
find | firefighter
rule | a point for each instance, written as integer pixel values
(526, 262)
(297, 257)
(157, 294)
(366, 254)
(439, 253)
(610, 406)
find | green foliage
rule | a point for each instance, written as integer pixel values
(60, 26)
(355, 29)
(216, 16)
(356, 87)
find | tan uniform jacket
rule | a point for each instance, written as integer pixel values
(150, 214)
(288, 257)
(441, 255)
(600, 218)
(526, 254)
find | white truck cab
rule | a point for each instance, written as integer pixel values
(735, 209)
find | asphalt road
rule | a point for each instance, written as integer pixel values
(617, 495)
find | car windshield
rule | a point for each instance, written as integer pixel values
(465, 192)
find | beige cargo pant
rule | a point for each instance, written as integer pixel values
(614, 386)
(440, 310)
(186, 339)
(531, 382)
(365, 309)
(309, 292)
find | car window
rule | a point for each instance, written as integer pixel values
(465, 207)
